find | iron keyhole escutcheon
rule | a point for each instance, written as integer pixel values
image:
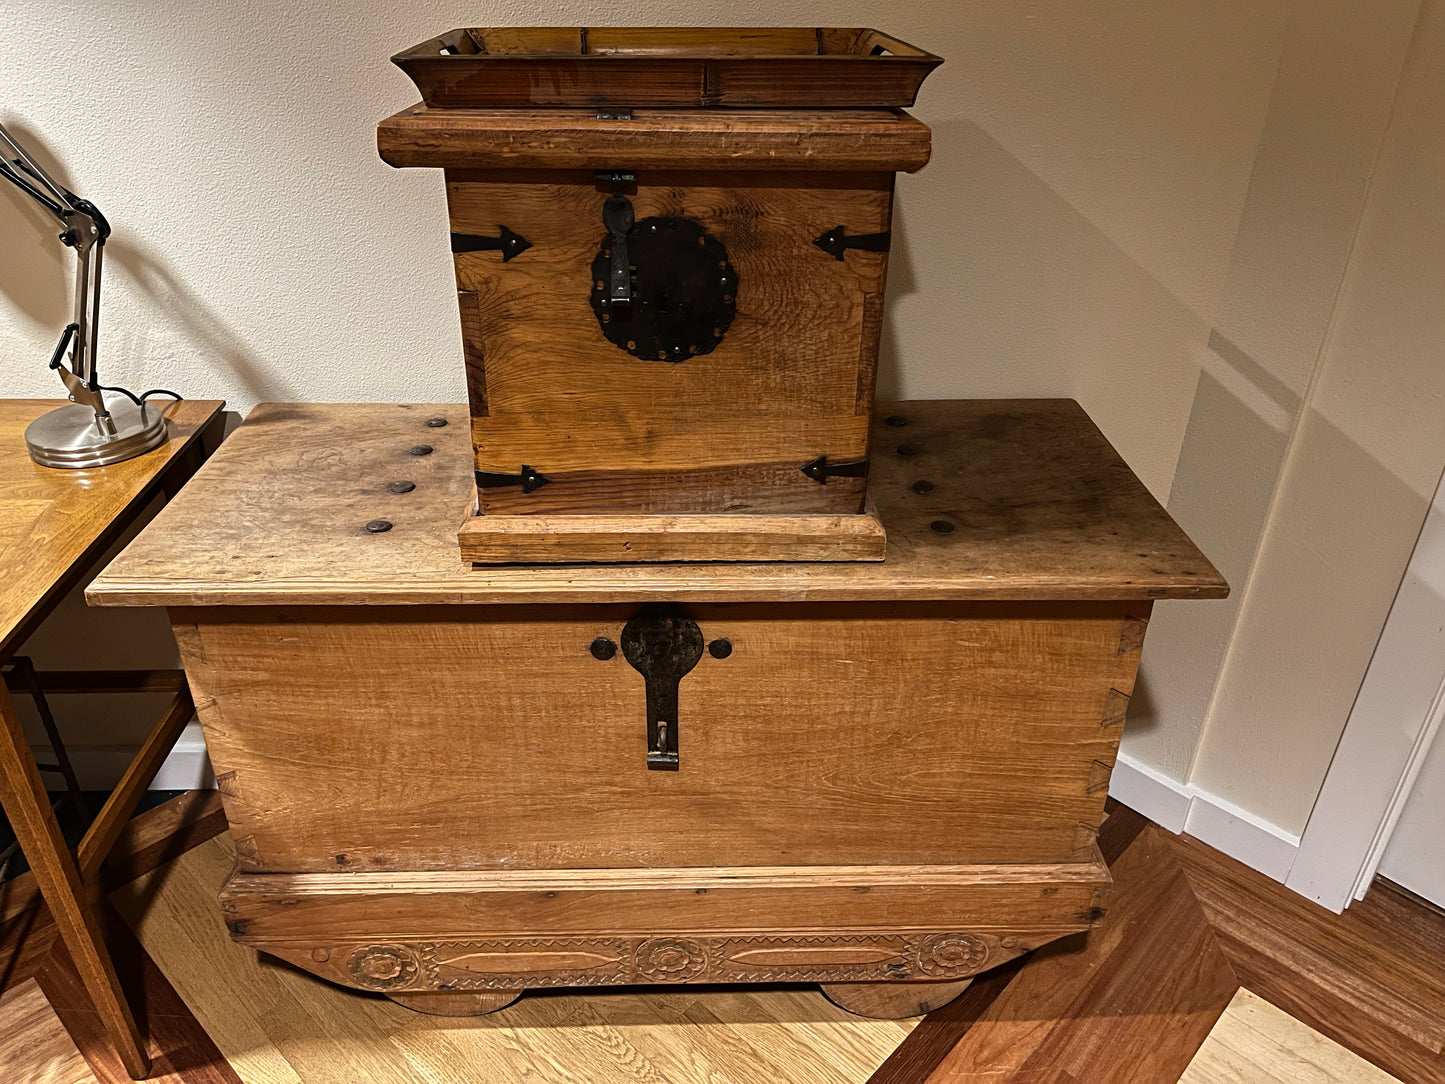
(663, 288)
(662, 646)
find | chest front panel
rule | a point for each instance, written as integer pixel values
(496, 739)
(700, 395)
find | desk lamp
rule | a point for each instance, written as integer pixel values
(90, 432)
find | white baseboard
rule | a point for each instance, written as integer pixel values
(1163, 800)
(99, 767)
(1183, 807)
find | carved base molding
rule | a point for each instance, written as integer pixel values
(514, 964)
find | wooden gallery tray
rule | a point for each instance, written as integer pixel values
(622, 67)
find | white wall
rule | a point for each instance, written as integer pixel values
(1328, 110)
(1069, 238)
(1363, 464)
(1149, 205)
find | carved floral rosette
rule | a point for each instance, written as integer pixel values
(515, 963)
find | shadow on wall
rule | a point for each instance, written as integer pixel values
(901, 282)
(215, 341)
(36, 277)
(35, 273)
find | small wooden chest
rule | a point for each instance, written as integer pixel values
(451, 784)
(671, 298)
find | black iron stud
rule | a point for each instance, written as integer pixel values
(378, 526)
(401, 487)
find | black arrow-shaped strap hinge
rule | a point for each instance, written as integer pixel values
(820, 470)
(836, 240)
(511, 244)
(529, 479)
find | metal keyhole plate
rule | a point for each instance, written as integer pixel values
(684, 291)
(663, 647)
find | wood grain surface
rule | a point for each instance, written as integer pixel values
(775, 139)
(725, 431)
(501, 539)
(53, 521)
(279, 1024)
(829, 735)
(1036, 503)
(1075, 1009)
(681, 66)
(34, 1045)
(546, 355)
(1255, 1041)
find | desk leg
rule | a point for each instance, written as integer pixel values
(28, 807)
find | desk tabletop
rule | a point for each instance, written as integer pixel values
(1040, 505)
(52, 521)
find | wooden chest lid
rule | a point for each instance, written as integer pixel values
(982, 499)
(876, 140)
(697, 67)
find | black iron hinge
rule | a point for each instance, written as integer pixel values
(511, 244)
(529, 479)
(820, 470)
(836, 240)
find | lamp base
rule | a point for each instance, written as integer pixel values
(70, 436)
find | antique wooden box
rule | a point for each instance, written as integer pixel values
(670, 304)
(451, 784)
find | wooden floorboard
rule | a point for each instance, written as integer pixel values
(1146, 997)
(181, 1051)
(1370, 979)
(1365, 1034)
(1255, 1041)
(275, 1023)
(162, 834)
(940, 1031)
(149, 840)
(1132, 1001)
(24, 941)
(34, 1046)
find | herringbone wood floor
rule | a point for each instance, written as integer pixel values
(1204, 971)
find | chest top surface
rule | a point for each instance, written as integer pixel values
(981, 499)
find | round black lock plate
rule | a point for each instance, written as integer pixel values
(684, 291)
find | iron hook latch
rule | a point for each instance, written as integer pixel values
(836, 241)
(820, 470)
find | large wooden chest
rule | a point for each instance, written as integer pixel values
(671, 297)
(450, 784)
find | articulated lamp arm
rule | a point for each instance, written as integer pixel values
(83, 228)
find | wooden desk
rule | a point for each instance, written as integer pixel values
(53, 525)
(439, 777)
